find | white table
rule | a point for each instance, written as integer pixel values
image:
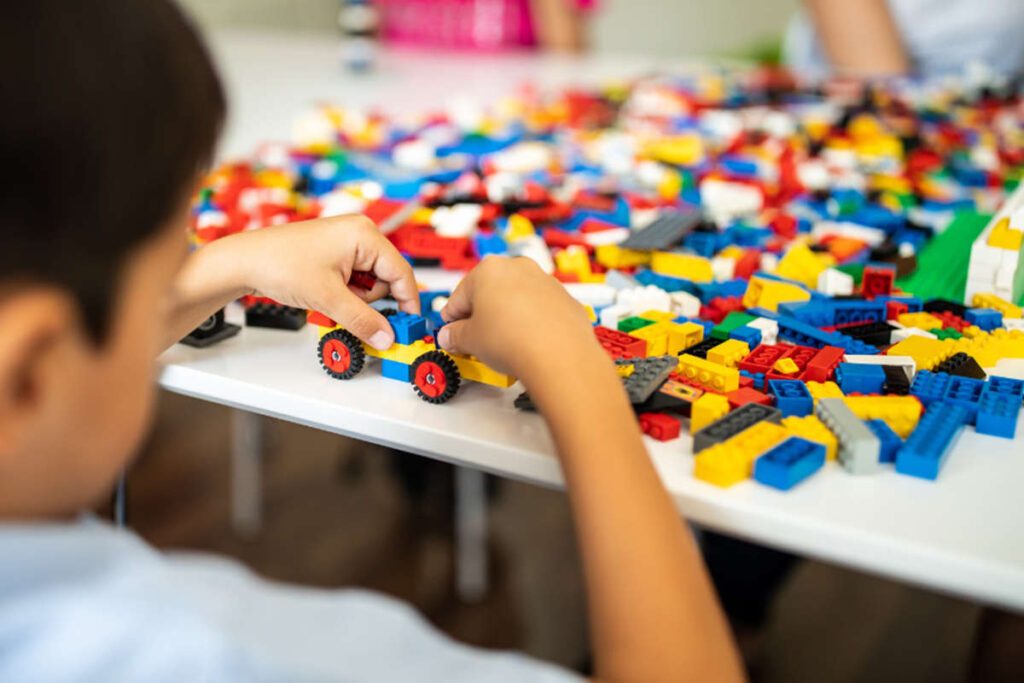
(961, 534)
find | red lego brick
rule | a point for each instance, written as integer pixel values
(560, 239)
(950, 319)
(894, 309)
(745, 395)
(762, 358)
(877, 281)
(362, 279)
(801, 355)
(822, 366)
(619, 344)
(658, 426)
(747, 264)
(318, 318)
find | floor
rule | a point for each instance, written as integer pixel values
(336, 513)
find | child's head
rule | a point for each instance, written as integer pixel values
(111, 108)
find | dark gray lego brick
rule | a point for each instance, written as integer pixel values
(664, 232)
(734, 422)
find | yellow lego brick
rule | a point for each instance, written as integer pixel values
(927, 353)
(421, 216)
(573, 259)
(321, 330)
(625, 370)
(591, 315)
(656, 337)
(921, 320)
(671, 184)
(718, 377)
(689, 266)
(891, 183)
(803, 265)
(679, 150)
(402, 353)
(1007, 343)
(666, 337)
(824, 390)
(770, 293)
(614, 256)
(732, 461)
(706, 409)
(1005, 237)
(787, 366)
(473, 369)
(729, 353)
(901, 413)
(810, 427)
(732, 251)
(996, 303)
(519, 226)
(657, 315)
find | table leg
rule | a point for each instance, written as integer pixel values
(246, 472)
(470, 534)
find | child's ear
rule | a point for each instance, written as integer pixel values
(33, 321)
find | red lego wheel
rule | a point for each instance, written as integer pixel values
(341, 354)
(435, 377)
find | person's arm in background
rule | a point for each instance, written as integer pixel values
(559, 24)
(653, 612)
(859, 37)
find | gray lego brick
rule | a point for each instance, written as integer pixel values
(664, 232)
(732, 423)
(619, 280)
(647, 376)
(858, 445)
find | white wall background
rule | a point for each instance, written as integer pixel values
(661, 27)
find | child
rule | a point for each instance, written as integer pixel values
(895, 37)
(112, 108)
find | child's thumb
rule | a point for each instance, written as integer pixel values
(356, 316)
(453, 337)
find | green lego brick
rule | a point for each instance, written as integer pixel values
(730, 323)
(945, 333)
(635, 322)
(942, 263)
(854, 270)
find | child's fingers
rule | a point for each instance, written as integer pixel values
(454, 336)
(460, 303)
(356, 316)
(379, 290)
(375, 253)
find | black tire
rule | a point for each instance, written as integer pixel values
(440, 380)
(331, 352)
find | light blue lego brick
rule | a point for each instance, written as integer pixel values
(890, 441)
(929, 445)
(484, 245)
(392, 369)
(791, 397)
(408, 327)
(789, 463)
(751, 336)
(999, 407)
(861, 378)
(929, 386)
(965, 392)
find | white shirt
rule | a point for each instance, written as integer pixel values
(85, 602)
(941, 36)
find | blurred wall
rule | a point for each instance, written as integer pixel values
(663, 27)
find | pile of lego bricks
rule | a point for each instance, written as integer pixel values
(752, 251)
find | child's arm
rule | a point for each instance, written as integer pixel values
(307, 265)
(859, 37)
(653, 613)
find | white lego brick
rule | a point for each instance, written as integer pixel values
(611, 315)
(640, 299)
(722, 198)
(591, 293)
(901, 333)
(456, 221)
(835, 282)
(1014, 323)
(610, 236)
(533, 247)
(908, 364)
(769, 262)
(438, 303)
(416, 154)
(872, 236)
(616, 279)
(769, 329)
(684, 303)
(722, 268)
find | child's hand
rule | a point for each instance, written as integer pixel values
(309, 265)
(514, 317)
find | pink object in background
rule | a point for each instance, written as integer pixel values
(462, 24)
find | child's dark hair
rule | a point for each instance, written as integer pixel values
(108, 110)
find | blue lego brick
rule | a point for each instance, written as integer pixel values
(999, 406)
(408, 327)
(929, 386)
(861, 378)
(703, 243)
(801, 333)
(734, 287)
(619, 215)
(853, 311)
(985, 318)
(789, 463)
(392, 369)
(493, 243)
(926, 449)
(791, 397)
(751, 336)
(758, 377)
(890, 441)
(811, 312)
(427, 298)
(965, 392)
(666, 282)
(434, 322)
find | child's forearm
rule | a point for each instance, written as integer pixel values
(653, 611)
(859, 36)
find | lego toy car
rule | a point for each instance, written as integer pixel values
(414, 357)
